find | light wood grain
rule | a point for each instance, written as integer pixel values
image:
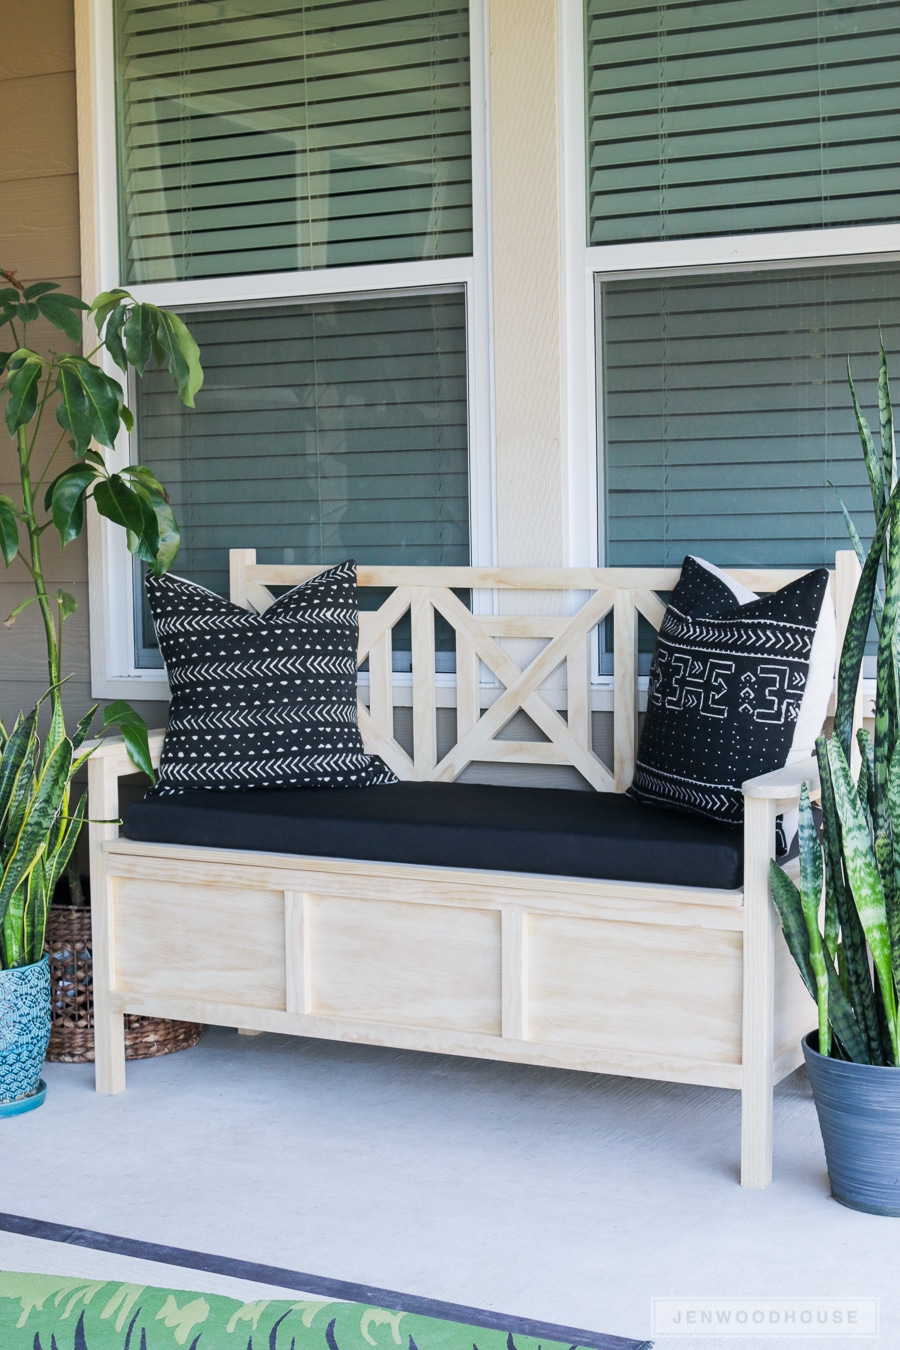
(228, 942)
(109, 1027)
(758, 994)
(429, 966)
(297, 952)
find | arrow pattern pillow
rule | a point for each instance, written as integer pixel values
(262, 700)
(732, 693)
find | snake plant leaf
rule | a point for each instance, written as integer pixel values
(894, 811)
(16, 753)
(865, 884)
(13, 934)
(56, 863)
(852, 952)
(137, 332)
(886, 689)
(134, 731)
(857, 630)
(811, 880)
(846, 1027)
(9, 531)
(34, 919)
(90, 402)
(83, 728)
(65, 499)
(42, 809)
(23, 372)
(183, 354)
(874, 462)
(886, 419)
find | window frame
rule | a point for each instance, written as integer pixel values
(114, 672)
(584, 266)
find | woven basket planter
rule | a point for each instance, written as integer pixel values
(68, 946)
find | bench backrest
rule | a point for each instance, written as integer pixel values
(527, 645)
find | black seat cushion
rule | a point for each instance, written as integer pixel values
(553, 831)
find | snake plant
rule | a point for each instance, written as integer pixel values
(842, 923)
(57, 475)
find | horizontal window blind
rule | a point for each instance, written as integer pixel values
(718, 117)
(276, 136)
(323, 431)
(727, 412)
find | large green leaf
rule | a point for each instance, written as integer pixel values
(9, 530)
(134, 731)
(23, 373)
(63, 312)
(183, 354)
(865, 884)
(113, 337)
(105, 303)
(97, 414)
(65, 499)
(117, 500)
(40, 288)
(146, 484)
(42, 808)
(138, 330)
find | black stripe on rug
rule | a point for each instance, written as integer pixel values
(281, 1278)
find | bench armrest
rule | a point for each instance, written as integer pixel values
(112, 751)
(784, 784)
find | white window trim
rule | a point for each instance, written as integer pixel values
(583, 266)
(113, 670)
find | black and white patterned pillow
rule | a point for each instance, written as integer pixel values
(739, 685)
(262, 700)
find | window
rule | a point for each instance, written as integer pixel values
(305, 184)
(733, 192)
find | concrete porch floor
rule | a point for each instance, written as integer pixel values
(556, 1196)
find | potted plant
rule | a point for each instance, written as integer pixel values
(842, 924)
(39, 827)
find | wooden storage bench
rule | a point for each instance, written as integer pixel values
(661, 981)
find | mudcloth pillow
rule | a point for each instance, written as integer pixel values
(262, 700)
(732, 693)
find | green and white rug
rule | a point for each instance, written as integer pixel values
(52, 1312)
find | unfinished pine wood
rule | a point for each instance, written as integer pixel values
(109, 1025)
(758, 994)
(297, 952)
(429, 966)
(231, 941)
(652, 992)
(514, 934)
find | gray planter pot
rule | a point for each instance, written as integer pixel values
(859, 1116)
(24, 1033)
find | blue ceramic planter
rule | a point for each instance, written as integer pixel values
(24, 1032)
(859, 1116)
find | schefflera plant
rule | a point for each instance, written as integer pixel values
(842, 924)
(38, 824)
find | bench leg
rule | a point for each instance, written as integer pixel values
(757, 1081)
(109, 1026)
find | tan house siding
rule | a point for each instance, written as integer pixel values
(39, 239)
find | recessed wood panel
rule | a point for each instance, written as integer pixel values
(212, 943)
(427, 966)
(634, 987)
